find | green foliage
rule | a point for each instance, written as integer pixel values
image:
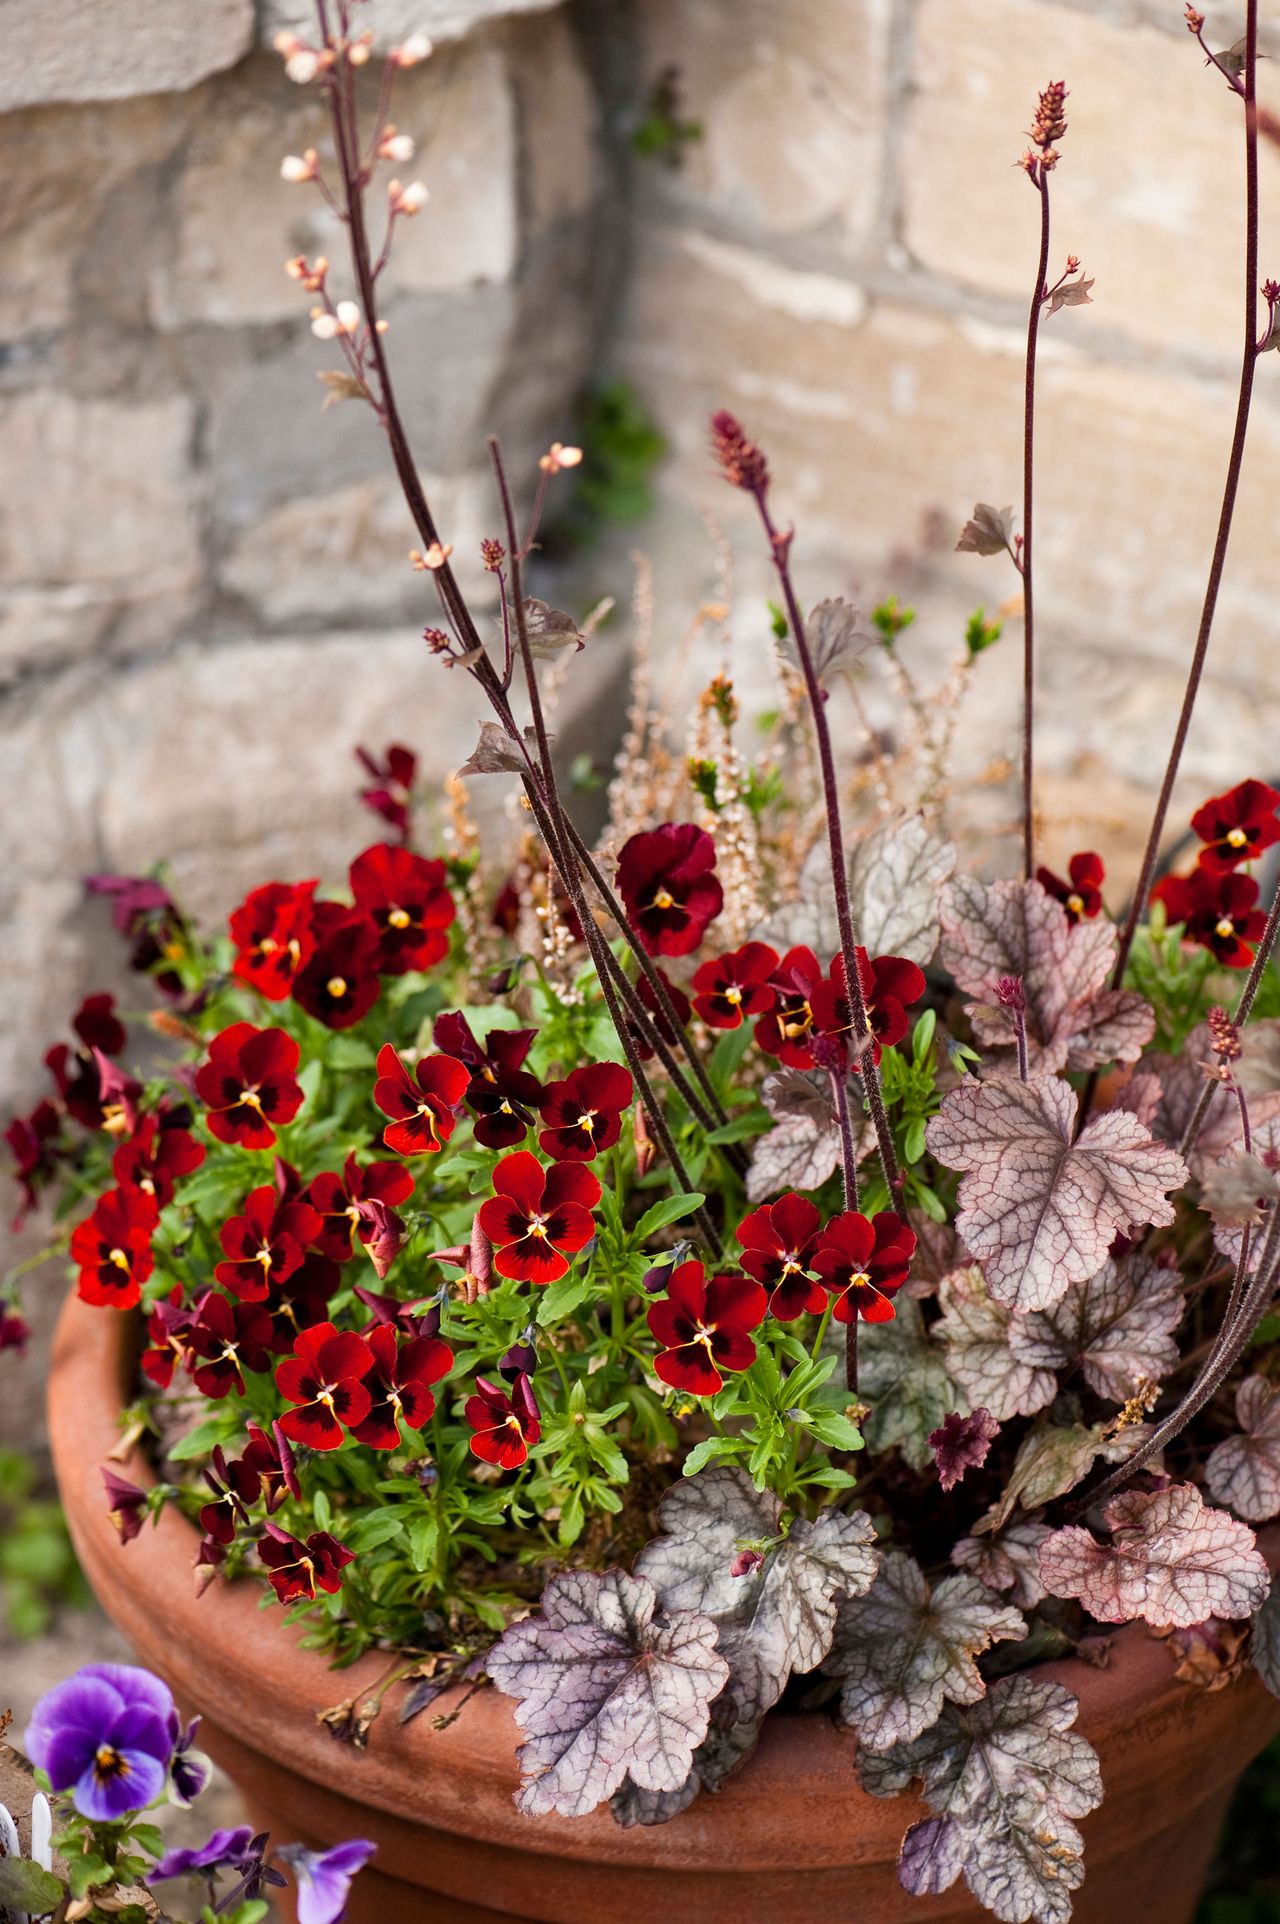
(909, 1079)
(891, 619)
(663, 133)
(981, 634)
(38, 1569)
(613, 487)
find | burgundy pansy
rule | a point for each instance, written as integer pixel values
(145, 913)
(274, 935)
(1220, 912)
(667, 879)
(78, 1073)
(248, 1084)
(325, 1379)
(33, 1140)
(863, 1264)
(297, 1570)
(501, 1093)
(538, 1218)
(787, 1030)
(167, 1346)
(271, 1459)
(235, 1486)
(418, 1317)
(890, 985)
(1237, 826)
(126, 1504)
(112, 1248)
(229, 1338)
(583, 1114)
(704, 1325)
(339, 984)
(15, 1332)
(423, 1106)
(391, 790)
(660, 1019)
(301, 1300)
(777, 1244)
(505, 1426)
(337, 1200)
(405, 898)
(1081, 894)
(265, 1244)
(155, 1158)
(400, 1384)
(731, 987)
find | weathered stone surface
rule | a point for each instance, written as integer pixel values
(394, 20)
(82, 50)
(560, 172)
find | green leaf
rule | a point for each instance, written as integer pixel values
(347, 1052)
(86, 1871)
(562, 1298)
(25, 1887)
(835, 1430)
(727, 1055)
(712, 1450)
(206, 1436)
(372, 1531)
(670, 1210)
(424, 1535)
(752, 1122)
(322, 1510)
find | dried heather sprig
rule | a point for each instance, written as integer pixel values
(1224, 1034)
(741, 461)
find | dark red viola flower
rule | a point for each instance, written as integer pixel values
(229, 1338)
(297, 1570)
(506, 1426)
(787, 1030)
(405, 897)
(419, 1317)
(890, 985)
(339, 984)
(474, 1258)
(863, 1264)
(235, 1486)
(1219, 912)
(325, 1378)
(667, 880)
(273, 930)
(126, 1504)
(34, 1142)
(155, 1159)
(145, 913)
(661, 1020)
(15, 1332)
(731, 987)
(521, 1358)
(502, 1093)
(777, 1243)
(272, 1461)
(383, 1234)
(98, 1026)
(1081, 894)
(80, 1074)
(166, 1338)
(248, 1084)
(705, 1327)
(1237, 826)
(423, 1106)
(337, 1200)
(391, 792)
(583, 1114)
(301, 1300)
(537, 1218)
(265, 1244)
(113, 1248)
(400, 1384)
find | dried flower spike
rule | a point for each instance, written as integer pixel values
(1224, 1034)
(741, 461)
(1050, 121)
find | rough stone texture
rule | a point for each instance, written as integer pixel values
(394, 20)
(81, 50)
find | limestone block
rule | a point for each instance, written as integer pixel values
(559, 122)
(395, 20)
(81, 50)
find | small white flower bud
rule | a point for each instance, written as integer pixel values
(303, 65)
(408, 200)
(348, 317)
(411, 51)
(394, 146)
(323, 324)
(300, 168)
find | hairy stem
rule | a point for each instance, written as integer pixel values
(1028, 506)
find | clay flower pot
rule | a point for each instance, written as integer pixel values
(791, 1840)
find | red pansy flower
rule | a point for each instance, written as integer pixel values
(400, 1382)
(145, 913)
(248, 1084)
(537, 1218)
(235, 1486)
(704, 1326)
(1237, 826)
(156, 1158)
(505, 1426)
(405, 898)
(326, 1380)
(231, 1338)
(890, 985)
(126, 1504)
(666, 878)
(501, 1091)
(777, 1243)
(733, 986)
(392, 789)
(297, 1569)
(1081, 895)
(166, 1336)
(265, 1244)
(15, 1333)
(583, 1114)
(339, 984)
(272, 929)
(864, 1263)
(79, 1073)
(1219, 911)
(33, 1140)
(787, 1030)
(420, 1316)
(271, 1459)
(301, 1300)
(661, 1020)
(113, 1248)
(423, 1106)
(337, 1200)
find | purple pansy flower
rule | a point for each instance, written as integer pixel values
(226, 1850)
(324, 1878)
(190, 1771)
(107, 1735)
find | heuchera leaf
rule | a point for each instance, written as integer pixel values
(987, 531)
(1009, 1560)
(1235, 1190)
(1244, 1472)
(720, 1754)
(975, 1332)
(1004, 1778)
(904, 1378)
(1264, 1641)
(962, 1443)
(1074, 1021)
(495, 753)
(704, 1521)
(605, 1687)
(1117, 1328)
(836, 640)
(1052, 1459)
(895, 881)
(1170, 1560)
(1038, 1210)
(797, 1153)
(903, 1651)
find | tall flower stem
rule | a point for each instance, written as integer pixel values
(1028, 510)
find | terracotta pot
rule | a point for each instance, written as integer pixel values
(792, 1840)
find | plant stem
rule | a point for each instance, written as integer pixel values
(1242, 1011)
(1028, 505)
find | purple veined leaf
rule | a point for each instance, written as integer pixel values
(716, 1759)
(987, 531)
(1170, 1560)
(1052, 1459)
(1264, 1641)
(800, 1092)
(1038, 1209)
(837, 641)
(903, 1376)
(1142, 1096)
(797, 1153)
(896, 877)
(962, 1443)
(704, 1520)
(496, 754)
(902, 1651)
(1244, 1471)
(1005, 1778)
(1116, 1328)
(1236, 1190)
(1008, 1561)
(1074, 1021)
(604, 1689)
(975, 1333)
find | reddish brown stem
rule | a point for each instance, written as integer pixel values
(1028, 507)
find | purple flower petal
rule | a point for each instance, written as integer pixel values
(229, 1849)
(135, 1780)
(134, 1686)
(324, 1878)
(72, 1713)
